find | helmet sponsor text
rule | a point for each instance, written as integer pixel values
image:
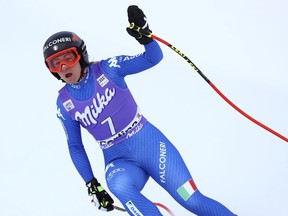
(57, 41)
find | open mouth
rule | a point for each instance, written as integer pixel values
(68, 75)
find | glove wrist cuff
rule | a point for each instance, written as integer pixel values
(93, 181)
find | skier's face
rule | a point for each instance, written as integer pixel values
(66, 64)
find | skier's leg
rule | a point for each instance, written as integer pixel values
(161, 160)
(125, 180)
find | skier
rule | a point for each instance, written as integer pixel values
(96, 97)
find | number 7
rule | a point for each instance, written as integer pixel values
(110, 124)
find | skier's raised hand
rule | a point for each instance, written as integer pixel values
(137, 16)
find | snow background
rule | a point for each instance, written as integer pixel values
(241, 46)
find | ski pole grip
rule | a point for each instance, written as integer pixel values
(140, 30)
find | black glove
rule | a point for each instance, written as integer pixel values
(100, 197)
(136, 16)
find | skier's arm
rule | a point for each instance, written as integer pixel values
(120, 66)
(80, 159)
(125, 65)
(75, 145)
(153, 54)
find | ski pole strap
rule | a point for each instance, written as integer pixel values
(141, 31)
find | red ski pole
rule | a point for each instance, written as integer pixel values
(149, 34)
(157, 204)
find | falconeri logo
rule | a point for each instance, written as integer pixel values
(90, 114)
(162, 162)
(57, 41)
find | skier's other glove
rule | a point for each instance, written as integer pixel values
(100, 197)
(136, 16)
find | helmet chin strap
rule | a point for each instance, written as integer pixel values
(82, 74)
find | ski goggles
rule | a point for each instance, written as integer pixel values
(68, 57)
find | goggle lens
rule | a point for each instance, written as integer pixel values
(68, 57)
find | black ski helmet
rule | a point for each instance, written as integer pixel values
(64, 40)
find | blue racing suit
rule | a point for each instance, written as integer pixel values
(133, 148)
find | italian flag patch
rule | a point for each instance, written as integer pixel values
(187, 189)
